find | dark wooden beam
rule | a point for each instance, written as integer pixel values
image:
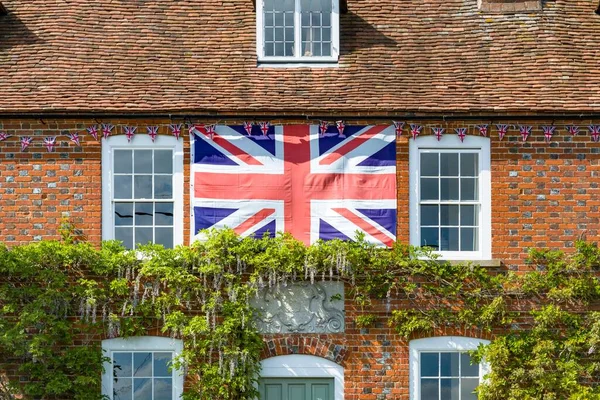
(343, 6)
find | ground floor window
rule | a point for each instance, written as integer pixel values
(296, 389)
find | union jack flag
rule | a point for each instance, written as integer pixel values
(525, 131)
(107, 130)
(415, 130)
(502, 130)
(438, 132)
(399, 126)
(595, 132)
(129, 132)
(296, 181)
(548, 132)
(152, 132)
(25, 142)
(341, 126)
(483, 130)
(323, 125)
(75, 138)
(50, 143)
(176, 130)
(3, 136)
(572, 129)
(264, 127)
(93, 130)
(462, 133)
(248, 127)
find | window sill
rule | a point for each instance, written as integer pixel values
(494, 263)
(296, 64)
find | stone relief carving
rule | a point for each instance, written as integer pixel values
(301, 307)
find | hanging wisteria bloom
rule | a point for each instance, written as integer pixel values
(573, 130)
(502, 130)
(107, 130)
(129, 132)
(438, 132)
(483, 130)
(50, 143)
(594, 132)
(152, 132)
(548, 132)
(462, 133)
(525, 131)
(93, 131)
(248, 127)
(415, 130)
(25, 142)
(74, 137)
(399, 126)
(340, 127)
(176, 130)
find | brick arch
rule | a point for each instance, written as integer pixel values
(309, 345)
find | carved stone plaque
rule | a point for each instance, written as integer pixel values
(301, 308)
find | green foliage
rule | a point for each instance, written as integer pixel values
(57, 300)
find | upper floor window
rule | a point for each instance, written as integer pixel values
(297, 30)
(142, 191)
(450, 196)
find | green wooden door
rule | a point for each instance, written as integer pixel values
(296, 389)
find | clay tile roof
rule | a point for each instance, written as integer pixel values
(182, 56)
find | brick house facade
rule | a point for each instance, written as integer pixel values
(451, 64)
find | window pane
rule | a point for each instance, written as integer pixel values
(326, 19)
(449, 239)
(449, 164)
(269, 37)
(123, 162)
(449, 189)
(429, 215)
(269, 19)
(163, 162)
(144, 215)
(143, 235)
(142, 389)
(142, 364)
(163, 187)
(164, 236)
(123, 214)
(122, 187)
(429, 389)
(469, 189)
(286, 5)
(429, 237)
(163, 214)
(289, 19)
(289, 49)
(429, 164)
(449, 389)
(316, 34)
(429, 189)
(269, 5)
(448, 215)
(467, 390)
(289, 35)
(122, 389)
(142, 163)
(316, 5)
(161, 364)
(125, 235)
(326, 35)
(279, 50)
(469, 164)
(163, 389)
(305, 19)
(468, 215)
(279, 20)
(122, 364)
(449, 364)
(326, 49)
(143, 186)
(469, 241)
(430, 364)
(466, 368)
(269, 49)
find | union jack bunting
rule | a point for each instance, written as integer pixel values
(25, 142)
(483, 130)
(438, 132)
(3, 136)
(296, 181)
(152, 132)
(341, 127)
(107, 130)
(323, 125)
(525, 131)
(93, 130)
(399, 126)
(248, 127)
(264, 128)
(462, 133)
(176, 130)
(502, 130)
(210, 131)
(572, 129)
(50, 143)
(415, 130)
(548, 132)
(595, 132)
(129, 132)
(74, 137)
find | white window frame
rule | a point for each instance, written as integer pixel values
(440, 344)
(452, 142)
(304, 366)
(335, 37)
(139, 142)
(140, 343)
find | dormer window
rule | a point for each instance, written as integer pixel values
(297, 30)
